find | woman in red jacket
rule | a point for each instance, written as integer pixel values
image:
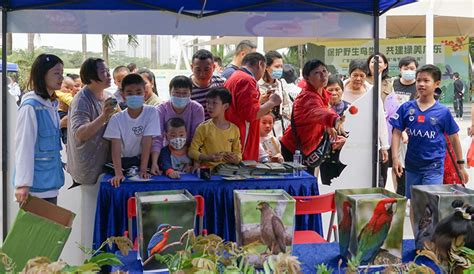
(311, 114)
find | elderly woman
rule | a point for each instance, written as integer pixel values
(311, 115)
(354, 88)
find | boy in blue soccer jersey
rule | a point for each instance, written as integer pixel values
(425, 121)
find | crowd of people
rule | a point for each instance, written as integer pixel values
(256, 108)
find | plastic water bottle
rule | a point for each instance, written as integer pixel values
(297, 161)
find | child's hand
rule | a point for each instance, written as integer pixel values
(155, 170)
(230, 157)
(174, 174)
(116, 180)
(195, 167)
(397, 167)
(188, 169)
(144, 174)
(278, 158)
(216, 157)
(404, 137)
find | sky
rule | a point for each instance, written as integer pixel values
(61, 41)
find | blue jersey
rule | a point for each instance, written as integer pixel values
(426, 141)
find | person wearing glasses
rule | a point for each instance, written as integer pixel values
(311, 115)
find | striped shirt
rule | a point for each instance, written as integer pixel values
(199, 94)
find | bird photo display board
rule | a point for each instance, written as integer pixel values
(370, 223)
(162, 218)
(267, 217)
(431, 204)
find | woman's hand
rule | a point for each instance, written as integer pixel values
(21, 194)
(384, 155)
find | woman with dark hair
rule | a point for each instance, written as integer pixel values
(272, 82)
(354, 88)
(311, 115)
(38, 166)
(151, 93)
(291, 77)
(386, 87)
(89, 113)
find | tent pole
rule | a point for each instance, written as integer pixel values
(4, 122)
(429, 34)
(375, 100)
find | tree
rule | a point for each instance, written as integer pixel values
(84, 47)
(108, 42)
(31, 42)
(9, 43)
(24, 59)
(154, 53)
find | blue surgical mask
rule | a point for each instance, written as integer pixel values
(277, 73)
(135, 101)
(180, 102)
(408, 75)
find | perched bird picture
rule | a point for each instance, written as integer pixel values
(345, 229)
(425, 228)
(374, 233)
(272, 229)
(159, 240)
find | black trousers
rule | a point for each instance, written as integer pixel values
(458, 107)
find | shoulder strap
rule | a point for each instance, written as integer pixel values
(30, 101)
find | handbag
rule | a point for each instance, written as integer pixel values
(316, 157)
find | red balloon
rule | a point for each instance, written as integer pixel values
(353, 110)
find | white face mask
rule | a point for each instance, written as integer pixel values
(178, 143)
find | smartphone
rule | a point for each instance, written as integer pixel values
(111, 101)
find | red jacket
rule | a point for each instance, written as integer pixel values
(243, 111)
(312, 115)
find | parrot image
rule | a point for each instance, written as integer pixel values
(159, 240)
(345, 229)
(374, 233)
(272, 229)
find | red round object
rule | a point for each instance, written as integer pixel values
(353, 110)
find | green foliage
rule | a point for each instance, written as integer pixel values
(24, 59)
(323, 269)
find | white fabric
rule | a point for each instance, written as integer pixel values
(25, 139)
(349, 97)
(130, 131)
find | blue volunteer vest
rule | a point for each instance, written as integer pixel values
(48, 172)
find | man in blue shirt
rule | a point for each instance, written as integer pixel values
(425, 121)
(243, 48)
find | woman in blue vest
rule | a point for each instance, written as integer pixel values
(38, 167)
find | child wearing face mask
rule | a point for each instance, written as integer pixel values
(131, 131)
(174, 157)
(180, 105)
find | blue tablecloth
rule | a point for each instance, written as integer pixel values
(111, 213)
(311, 255)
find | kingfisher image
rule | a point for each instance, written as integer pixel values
(159, 240)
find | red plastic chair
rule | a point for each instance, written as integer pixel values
(315, 205)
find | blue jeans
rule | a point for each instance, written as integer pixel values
(426, 177)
